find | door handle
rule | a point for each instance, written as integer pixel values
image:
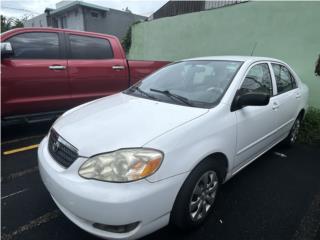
(298, 95)
(275, 106)
(57, 67)
(117, 67)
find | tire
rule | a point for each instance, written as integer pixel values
(291, 139)
(195, 202)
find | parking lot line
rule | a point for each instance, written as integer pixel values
(22, 139)
(32, 224)
(20, 149)
(15, 193)
(19, 174)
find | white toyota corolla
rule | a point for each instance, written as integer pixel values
(125, 165)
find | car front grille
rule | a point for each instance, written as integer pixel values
(61, 151)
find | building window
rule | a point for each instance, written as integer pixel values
(94, 14)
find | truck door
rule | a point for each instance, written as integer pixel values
(35, 78)
(96, 69)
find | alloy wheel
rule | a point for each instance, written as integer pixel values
(203, 195)
(295, 131)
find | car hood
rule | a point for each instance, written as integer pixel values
(120, 121)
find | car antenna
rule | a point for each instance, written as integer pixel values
(254, 48)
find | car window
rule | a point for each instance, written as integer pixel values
(258, 80)
(82, 47)
(35, 45)
(202, 82)
(284, 79)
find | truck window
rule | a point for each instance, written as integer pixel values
(82, 47)
(35, 45)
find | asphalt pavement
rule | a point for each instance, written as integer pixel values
(276, 197)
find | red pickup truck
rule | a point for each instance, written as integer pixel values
(47, 70)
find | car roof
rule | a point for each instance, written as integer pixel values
(234, 58)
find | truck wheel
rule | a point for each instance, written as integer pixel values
(197, 195)
(291, 139)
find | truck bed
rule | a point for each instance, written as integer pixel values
(140, 69)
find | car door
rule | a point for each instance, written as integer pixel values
(35, 78)
(255, 124)
(95, 68)
(287, 97)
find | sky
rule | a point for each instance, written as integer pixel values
(22, 8)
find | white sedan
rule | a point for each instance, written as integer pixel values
(126, 165)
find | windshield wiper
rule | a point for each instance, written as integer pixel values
(173, 96)
(143, 92)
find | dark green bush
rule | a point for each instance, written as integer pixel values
(126, 41)
(310, 128)
(317, 69)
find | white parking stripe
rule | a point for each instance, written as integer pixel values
(19, 174)
(21, 139)
(15, 193)
(32, 224)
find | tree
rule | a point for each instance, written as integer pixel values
(5, 23)
(127, 10)
(126, 41)
(18, 23)
(12, 22)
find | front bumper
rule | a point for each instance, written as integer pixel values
(86, 202)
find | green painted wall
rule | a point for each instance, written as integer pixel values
(285, 30)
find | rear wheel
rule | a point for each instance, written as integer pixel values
(291, 139)
(196, 198)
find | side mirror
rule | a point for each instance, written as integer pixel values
(250, 99)
(6, 50)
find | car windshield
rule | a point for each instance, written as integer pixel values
(195, 83)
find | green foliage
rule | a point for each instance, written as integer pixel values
(317, 70)
(310, 128)
(5, 24)
(126, 41)
(11, 22)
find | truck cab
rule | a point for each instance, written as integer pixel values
(46, 71)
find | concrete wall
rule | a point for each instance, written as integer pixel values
(286, 30)
(112, 22)
(74, 19)
(94, 20)
(91, 19)
(118, 22)
(38, 21)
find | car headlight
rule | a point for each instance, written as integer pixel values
(124, 165)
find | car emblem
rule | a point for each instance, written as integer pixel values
(55, 146)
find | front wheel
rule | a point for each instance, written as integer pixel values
(197, 196)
